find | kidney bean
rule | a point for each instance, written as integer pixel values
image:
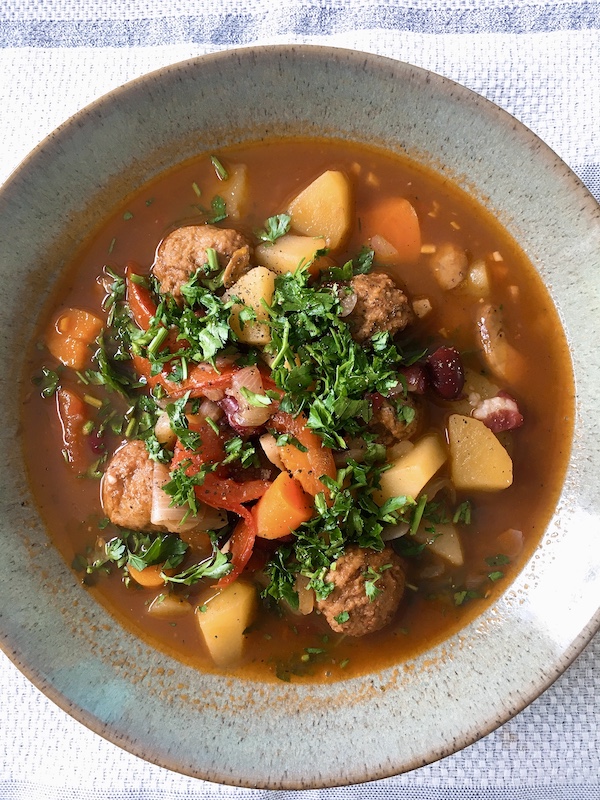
(446, 373)
(416, 378)
(96, 442)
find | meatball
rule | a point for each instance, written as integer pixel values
(391, 426)
(126, 488)
(182, 252)
(349, 609)
(380, 306)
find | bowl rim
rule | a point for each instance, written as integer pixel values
(37, 675)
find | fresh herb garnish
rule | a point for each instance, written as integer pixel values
(222, 173)
(275, 227)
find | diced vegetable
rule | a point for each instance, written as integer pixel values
(140, 300)
(449, 265)
(149, 577)
(510, 542)
(324, 208)
(252, 289)
(223, 619)
(70, 337)
(234, 190)
(290, 252)
(311, 462)
(395, 220)
(444, 542)
(503, 359)
(166, 606)
(282, 508)
(249, 393)
(241, 545)
(72, 414)
(409, 474)
(478, 279)
(269, 444)
(478, 460)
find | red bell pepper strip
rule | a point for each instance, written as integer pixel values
(140, 300)
(72, 413)
(241, 547)
(222, 492)
(201, 376)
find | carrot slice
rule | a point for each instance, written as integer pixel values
(395, 220)
(307, 467)
(149, 577)
(282, 508)
(70, 336)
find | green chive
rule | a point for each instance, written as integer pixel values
(222, 173)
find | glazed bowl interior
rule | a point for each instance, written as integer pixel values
(239, 731)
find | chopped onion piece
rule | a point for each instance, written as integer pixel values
(163, 431)
(210, 410)
(348, 302)
(306, 596)
(269, 445)
(171, 518)
(436, 485)
(247, 414)
(382, 247)
(394, 531)
(214, 394)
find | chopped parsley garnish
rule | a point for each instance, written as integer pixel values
(141, 550)
(371, 577)
(350, 517)
(219, 210)
(275, 228)
(462, 514)
(322, 370)
(48, 382)
(497, 561)
(222, 173)
(464, 595)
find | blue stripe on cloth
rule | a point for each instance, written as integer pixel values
(311, 19)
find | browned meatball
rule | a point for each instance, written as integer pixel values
(349, 609)
(126, 488)
(390, 426)
(182, 252)
(380, 306)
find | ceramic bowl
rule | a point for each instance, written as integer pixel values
(286, 735)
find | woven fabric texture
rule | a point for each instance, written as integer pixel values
(539, 60)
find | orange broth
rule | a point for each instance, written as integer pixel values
(304, 648)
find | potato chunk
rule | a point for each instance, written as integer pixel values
(290, 252)
(224, 619)
(324, 208)
(477, 459)
(252, 288)
(234, 191)
(409, 473)
(445, 542)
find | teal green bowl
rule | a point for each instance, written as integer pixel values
(283, 735)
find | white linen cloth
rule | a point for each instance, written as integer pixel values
(538, 60)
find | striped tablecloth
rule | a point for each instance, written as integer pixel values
(538, 59)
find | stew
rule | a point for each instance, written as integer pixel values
(305, 410)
